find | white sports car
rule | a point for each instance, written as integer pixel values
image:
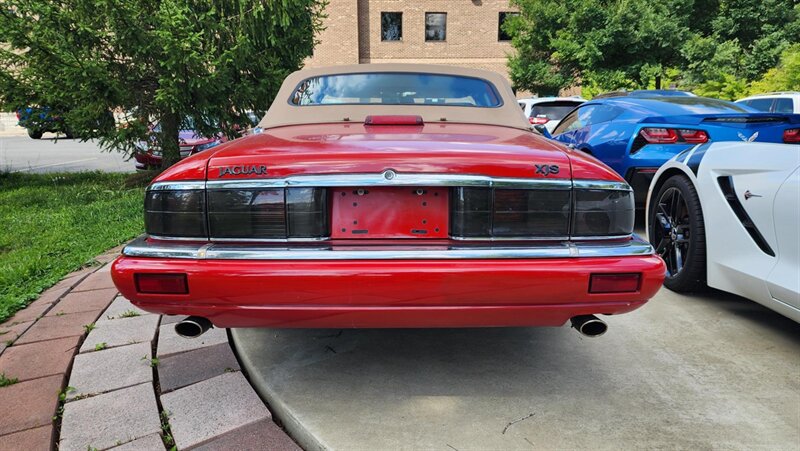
(727, 215)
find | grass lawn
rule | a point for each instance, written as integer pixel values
(53, 224)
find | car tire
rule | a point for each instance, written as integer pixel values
(35, 134)
(677, 232)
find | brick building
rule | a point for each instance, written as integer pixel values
(455, 32)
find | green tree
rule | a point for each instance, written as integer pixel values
(745, 40)
(607, 43)
(165, 60)
(784, 77)
(715, 47)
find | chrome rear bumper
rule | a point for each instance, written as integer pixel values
(141, 247)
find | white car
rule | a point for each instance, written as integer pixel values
(726, 215)
(548, 111)
(774, 102)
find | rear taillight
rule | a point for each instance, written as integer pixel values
(658, 135)
(600, 212)
(791, 136)
(270, 213)
(538, 120)
(509, 213)
(175, 213)
(518, 213)
(693, 136)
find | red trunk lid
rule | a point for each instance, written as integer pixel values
(358, 148)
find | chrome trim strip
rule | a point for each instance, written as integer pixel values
(454, 238)
(268, 240)
(601, 184)
(174, 186)
(510, 238)
(542, 238)
(391, 178)
(178, 238)
(210, 251)
(597, 238)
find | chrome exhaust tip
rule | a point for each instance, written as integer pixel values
(193, 327)
(589, 325)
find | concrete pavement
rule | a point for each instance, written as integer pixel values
(23, 154)
(690, 372)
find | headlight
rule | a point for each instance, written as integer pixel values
(207, 146)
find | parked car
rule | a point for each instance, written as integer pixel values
(725, 214)
(190, 141)
(40, 120)
(636, 134)
(548, 111)
(389, 195)
(774, 102)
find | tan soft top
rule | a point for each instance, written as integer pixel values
(282, 112)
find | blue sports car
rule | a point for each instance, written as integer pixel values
(636, 132)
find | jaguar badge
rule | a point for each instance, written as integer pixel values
(243, 169)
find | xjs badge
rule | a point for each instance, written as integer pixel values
(547, 169)
(746, 139)
(242, 169)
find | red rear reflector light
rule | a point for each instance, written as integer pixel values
(393, 120)
(659, 135)
(538, 120)
(161, 283)
(614, 283)
(694, 136)
(791, 136)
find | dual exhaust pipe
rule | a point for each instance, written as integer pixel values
(587, 325)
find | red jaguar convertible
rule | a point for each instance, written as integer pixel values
(390, 196)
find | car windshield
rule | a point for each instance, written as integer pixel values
(387, 88)
(553, 111)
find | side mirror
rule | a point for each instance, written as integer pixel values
(542, 130)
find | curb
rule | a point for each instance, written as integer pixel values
(95, 372)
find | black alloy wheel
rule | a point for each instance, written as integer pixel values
(677, 233)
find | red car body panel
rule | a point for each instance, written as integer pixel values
(396, 293)
(390, 293)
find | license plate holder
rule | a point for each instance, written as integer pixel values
(390, 212)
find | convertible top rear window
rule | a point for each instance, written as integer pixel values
(396, 88)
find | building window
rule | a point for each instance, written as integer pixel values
(435, 26)
(502, 35)
(391, 26)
